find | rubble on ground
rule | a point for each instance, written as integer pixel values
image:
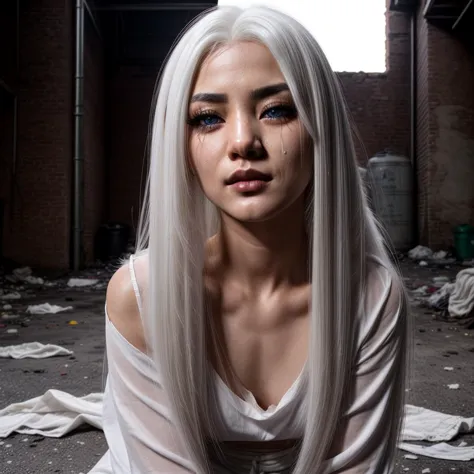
(449, 295)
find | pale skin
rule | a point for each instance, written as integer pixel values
(256, 274)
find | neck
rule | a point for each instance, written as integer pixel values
(266, 254)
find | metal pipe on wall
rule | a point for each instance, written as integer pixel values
(78, 194)
(413, 115)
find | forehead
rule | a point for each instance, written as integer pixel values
(241, 64)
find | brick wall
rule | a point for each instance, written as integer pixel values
(451, 170)
(38, 233)
(94, 139)
(380, 103)
(116, 132)
(445, 134)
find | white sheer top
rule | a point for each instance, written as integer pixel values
(142, 438)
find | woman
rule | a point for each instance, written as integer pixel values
(261, 326)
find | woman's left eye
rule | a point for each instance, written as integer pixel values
(279, 112)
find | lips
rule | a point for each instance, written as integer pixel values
(247, 175)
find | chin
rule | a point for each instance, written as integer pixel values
(254, 212)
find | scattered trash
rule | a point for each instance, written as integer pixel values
(440, 299)
(420, 253)
(47, 308)
(12, 331)
(7, 307)
(10, 296)
(453, 386)
(449, 369)
(441, 279)
(426, 470)
(22, 273)
(422, 290)
(423, 255)
(461, 301)
(9, 317)
(25, 275)
(81, 282)
(33, 350)
(410, 456)
(73, 323)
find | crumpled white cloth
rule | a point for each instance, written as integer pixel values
(53, 414)
(57, 413)
(33, 350)
(461, 301)
(421, 424)
(440, 451)
(46, 308)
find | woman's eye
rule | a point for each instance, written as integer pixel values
(209, 120)
(205, 121)
(279, 112)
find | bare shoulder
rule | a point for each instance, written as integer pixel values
(122, 308)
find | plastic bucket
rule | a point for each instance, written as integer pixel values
(464, 242)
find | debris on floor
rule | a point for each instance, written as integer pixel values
(25, 275)
(420, 253)
(14, 295)
(33, 350)
(440, 299)
(46, 308)
(81, 282)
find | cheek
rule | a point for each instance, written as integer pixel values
(299, 157)
(204, 153)
(204, 162)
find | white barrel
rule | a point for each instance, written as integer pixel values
(391, 182)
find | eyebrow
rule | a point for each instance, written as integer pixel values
(256, 95)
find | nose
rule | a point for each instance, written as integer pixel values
(244, 140)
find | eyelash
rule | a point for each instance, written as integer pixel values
(200, 115)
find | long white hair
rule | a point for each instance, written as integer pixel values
(177, 219)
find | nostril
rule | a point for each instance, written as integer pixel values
(255, 153)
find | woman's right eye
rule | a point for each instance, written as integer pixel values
(205, 120)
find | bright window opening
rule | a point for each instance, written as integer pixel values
(351, 32)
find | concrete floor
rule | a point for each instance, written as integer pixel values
(436, 344)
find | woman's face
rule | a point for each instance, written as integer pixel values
(247, 145)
